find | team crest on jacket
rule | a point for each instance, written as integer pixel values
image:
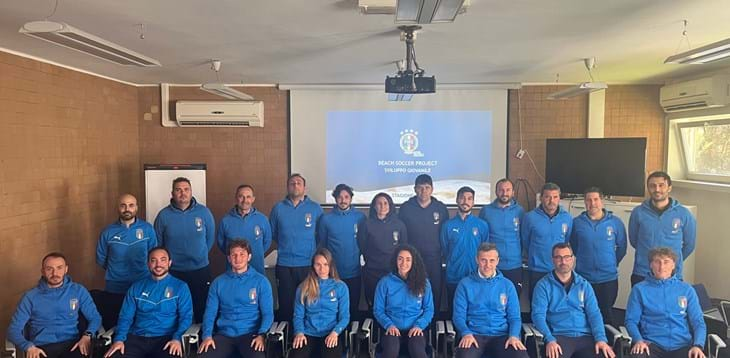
(475, 231)
(609, 232)
(199, 223)
(252, 295)
(354, 228)
(139, 234)
(676, 225)
(333, 296)
(73, 304)
(582, 297)
(257, 231)
(436, 217)
(564, 228)
(503, 300)
(396, 236)
(308, 220)
(516, 223)
(168, 292)
(682, 302)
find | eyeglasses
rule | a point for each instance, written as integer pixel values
(563, 258)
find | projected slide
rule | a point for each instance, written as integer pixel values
(384, 151)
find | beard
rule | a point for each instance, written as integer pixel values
(127, 215)
(505, 199)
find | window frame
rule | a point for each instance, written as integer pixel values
(692, 175)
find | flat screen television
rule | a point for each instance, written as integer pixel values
(616, 165)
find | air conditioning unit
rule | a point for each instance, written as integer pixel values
(219, 113)
(708, 92)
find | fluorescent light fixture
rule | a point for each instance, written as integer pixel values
(581, 88)
(67, 36)
(224, 91)
(426, 11)
(709, 53)
(400, 97)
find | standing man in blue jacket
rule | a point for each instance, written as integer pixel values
(660, 221)
(51, 313)
(504, 216)
(487, 311)
(424, 216)
(337, 232)
(460, 239)
(240, 307)
(542, 228)
(122, 253)
(294, 227)
(565, 311)
(599, 241)
(156, 312)
(244, 222)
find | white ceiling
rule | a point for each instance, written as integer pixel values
(329, 41)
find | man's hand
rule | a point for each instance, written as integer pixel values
(35, 352)
(83, 345)
(118, 346)
(603, 347)
(553, 350)
(640, 347)
(392, 331)
(300, 340)
(173, 347)
(467, 341)
(207, 343)
(415, 331)
(332, 340)
(515, 343)
(696, 352)
(258, 343)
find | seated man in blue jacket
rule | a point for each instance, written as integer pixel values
(156, 312)
(663, 314)
(565, 310)
(487, 311)
(240, 307)
(51, 313)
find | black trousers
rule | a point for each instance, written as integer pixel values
(390, 345)
(606, 293)
(578, 347)
(491, 347)
(61, 349)
(636, 279)
(288, 279)
(450, 292)
(315, 347)
(370, 278)
(144, 347)
(434, 274)
(198, 281)
(353, 286)
(534, 276)
(514, 275)
(109, 304)
(233, 347)
(656, 352)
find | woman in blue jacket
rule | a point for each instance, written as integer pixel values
(404, 304)
(321, 310)
(663, 314)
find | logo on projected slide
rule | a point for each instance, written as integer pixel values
(139, 234)
(676, 225)
(308, 220)
(199, 224)
(609, 232)
(257, 231)
(436, 217)
(396, 236)
(409, 142)
(516, 223)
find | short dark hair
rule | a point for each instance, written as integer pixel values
(180, 180)
(158, 248)
(54, 255)
(659, 174)
(593, 189)
(487, 246)
(244, 186)
(296, 175)
(561, 245)
(662, 251)
(341, 187)
(238, 243)
(501, 181)
(464, 189)
(549, 187)
(424, 179)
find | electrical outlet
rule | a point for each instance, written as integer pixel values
(520, 153)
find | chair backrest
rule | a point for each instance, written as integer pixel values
(725, 310)
(704, 298)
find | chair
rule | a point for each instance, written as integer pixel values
(369, 331)
(715, 341)
(619, 341)
(725, 311)
(279, 339)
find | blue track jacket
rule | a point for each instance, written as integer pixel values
(188, 235)
(238, 304)
(666, 313)
(122, 252)
(487, 306)
(571, 314)
(504, 231)
(253, 227)
(540, 232)
(396, 306)
(599, 246)
(675, 228)
(294, 229)
(460, 239)
(337, 232)
(52, 315)
(424, 227)
(155, 308)
(330, 313)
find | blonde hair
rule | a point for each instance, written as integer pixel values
(310, 286)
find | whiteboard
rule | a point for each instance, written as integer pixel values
(158, 185)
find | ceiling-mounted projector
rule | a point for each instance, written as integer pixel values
(410, 78)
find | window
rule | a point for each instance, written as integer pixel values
(706, 149)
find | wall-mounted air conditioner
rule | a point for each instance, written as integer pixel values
(701, 93)
(219, 113)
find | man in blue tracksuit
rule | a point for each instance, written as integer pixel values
(504, 216)
(599, 241)
(663, 314)
(460, 238)
(660, 221)
(244, 222)
(156, 312)
(337, 232)
(50, 313)
(122, 252)
(542, 228)
(294, 227)
(424, 216)
(487, 311)
(187, 230)
(565, 311)
(239, 310)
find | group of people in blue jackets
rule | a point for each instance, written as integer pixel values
(319, 278)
